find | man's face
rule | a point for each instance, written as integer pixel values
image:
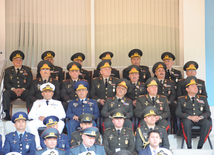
(45, 72)
(87, 140)
(50, 143)
(150, 120)
(79, 61)
(20, 124)
(160, 73)
(47, 95)
(169, 63)
(82, 93)
(74, 74)
(191, 73)
(50, 59)
(17, 62)
(135, 61)
(53, 126)
(154, 139)
(192, 89)
(85, 125)
(105, 72)
(121, 91)
(118, 122)
(134, 77)
(152, 90)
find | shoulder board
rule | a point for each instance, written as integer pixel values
(60, 149)
(144, 66)
(162, 96)
(182, 96)
(168, 80)
(64, 134)
(110, 98)
(108, 128)
(66, 80)
(114, 77)
(83, 80)
(141, 82)
(98, 144)
(9, 133)
(202, 96)
(181, 79)
(96, 78)
(127, 98)
(74, 146)
(200, 80)
(127, 128)
(36, 79)
(142, 95)
(9, 67)
(163, 127)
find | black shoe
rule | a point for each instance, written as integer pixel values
(189, 147)
(199, 147)
(7, 118)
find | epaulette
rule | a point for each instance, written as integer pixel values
(74, 146)
(114, 77)
(60, 149)
(64, 134)
(181, 79)
(200, 80)
(96, 78)
(36, 79)
(127, 98)
(110, 97)
(169, 80)
(9, 133)
(163, 127)
(144, 66)
(107, 128)
(201, 96)
(142, 95)
(65, 80)
(98, 144)
(9, 67)
(181, 96)
(127, 128)
(162, 96)
(83, 80)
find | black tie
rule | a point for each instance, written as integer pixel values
(153, 100)
(150, 129)
(47, 102)
(74, 82)
(20, 137)
(17, 71)
(168, 72)
(106, 83)
(193, 99)
(45, 81)
(82, 101)
(119, 99)
(118, 131)
(88, 148)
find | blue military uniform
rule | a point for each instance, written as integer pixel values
(0, 143)
(40, 152)
(78, 107)
(15, 142)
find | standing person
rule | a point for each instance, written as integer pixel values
(19, 141)
(17, 81)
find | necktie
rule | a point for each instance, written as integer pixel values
(154, 152)
(118, 132)
(168, 72)
(82, 101)
(161, 81)
(17, 71)
(153, 100)
(193, 99)
(20, 137)
(45, 81)
(47, 102)
(74, 82)
(87, 148)
(106, 83)
(150, 129)
(119, 99)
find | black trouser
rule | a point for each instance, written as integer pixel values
(172, 107)
(9, 95)
(187, 124)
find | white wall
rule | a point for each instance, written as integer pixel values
(2, 29)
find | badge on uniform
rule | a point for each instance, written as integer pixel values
(144, 76)
(91, 109)
(63, 145)
(110, 82)
(11, 76)
(98, 86)
(112, 104)
(69, 86)
(146, 103)
(111, 136)
(126, 141)
(75, 104)
(113, 88)
(161, 108)
(14, 141)
(201, 108)
(24, 80)
(57, 77)
(38, 86)
(27, 146)
(185, 104)
(137, 87)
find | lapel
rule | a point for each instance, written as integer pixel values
(115, 100)
(149, 99)
(82, 148)
(14, 72)
(92, 148)
(149, 151)
(101, 81)
(24, 136)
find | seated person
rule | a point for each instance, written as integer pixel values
(141, 137)
(118, 101)
(154, 139)
(50, 136)
(114, 71)
(20, 140)
(44, 68)
(85, 122)
(17, 81)
(88, 145)
(118, 137)
(193, 109)
(84, 74)
(62, 140)
(43, 108)
(153, 99)
(80, 106)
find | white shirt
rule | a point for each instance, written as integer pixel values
(40, 108)
(152, 150)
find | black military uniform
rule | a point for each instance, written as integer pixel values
(160, 102)
(142, 132)
(56, 71)
(100, 90)
(84, 74)
(181, 90)
(172, 74)
(144, 70)
(16, 78)
(122, 139)
(76, 136)
(107, 56)
(196, 106)
(122, 103)
(35, 92)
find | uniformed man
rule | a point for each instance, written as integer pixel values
(43, 108)
(20, 140)
(118, 101)
(153, 99)
(84, 74)
(135, 56)
(62, 140)
(56, 71)
(118, 137)
(50, 136)
(166, 87)
(136, 88)
(190, 67)
(35, 93)
(107, 56)
(17, 81)
(67, 91)
(171, 73)
(85, 122)
(79, 106)
(88, 146)
(104, 86)
(142, 142)
(193, 109)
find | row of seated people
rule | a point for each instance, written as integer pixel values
(151, 108)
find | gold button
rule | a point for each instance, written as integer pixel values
(17, 81)
(75, 95)
(163, 92)
(20, 148)
(119, 144)
(193, 108)
(119, 138)
(193, 113)
(135, 89)
(193, 104)
(18, 85)
(105, 96)
(82, 105)
(135, 96)
(106, 88)
(154, 106)
(106, 93)
(17, 77)
(136, 93)
(119, 105)
(83, 113)
(82, 109)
